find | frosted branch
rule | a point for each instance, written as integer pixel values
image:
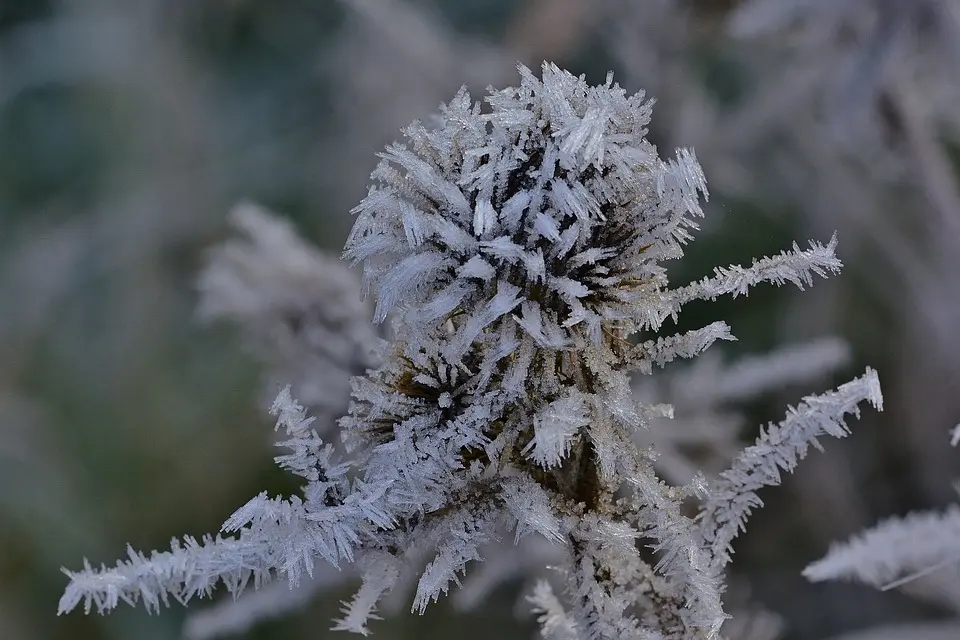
(779, 447)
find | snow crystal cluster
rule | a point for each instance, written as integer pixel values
(518, 248)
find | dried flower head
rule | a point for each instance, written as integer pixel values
(550, 211)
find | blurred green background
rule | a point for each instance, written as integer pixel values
(128, 128)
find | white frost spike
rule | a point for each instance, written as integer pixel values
(503, 248)
(484, 218)
(428, 177)
(531, 506)
(573, 201)
(443, 303)
(555, 622)
(466, 533)
(544, 332)
(554, 429)
(404, 279)
(588, 135)
(684, 181)
(546, 226)
(453, 235)
(534, 264)
(413, 225)
(778, 448)
(688, 345)
(568, 238)
(569, 289)
(513, 209)
(477, 267)
(797, 267)
(502, 303)
(592, 255)
(381, 571)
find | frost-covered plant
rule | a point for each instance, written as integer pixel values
(919, 551)
(519, 249)
(703, 432)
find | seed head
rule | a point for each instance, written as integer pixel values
(546, 209)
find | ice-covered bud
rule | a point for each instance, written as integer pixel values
(545, 211)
